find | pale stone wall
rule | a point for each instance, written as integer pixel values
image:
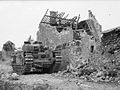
(81, 54)
(51, 37)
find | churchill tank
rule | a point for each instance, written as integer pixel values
(35, 57)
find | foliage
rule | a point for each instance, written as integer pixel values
(9, 46)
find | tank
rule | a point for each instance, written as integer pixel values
(34, 57)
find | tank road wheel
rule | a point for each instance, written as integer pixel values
(57, 63)
(19, 69)
(27, 67)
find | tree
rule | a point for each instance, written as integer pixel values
(9, 46)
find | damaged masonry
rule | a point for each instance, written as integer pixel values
(77, 38)
(85, 48)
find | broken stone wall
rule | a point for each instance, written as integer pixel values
(89, 35)
(106, 58)
(95, 27)
(111, 47)
(50, 36)
(80, 51)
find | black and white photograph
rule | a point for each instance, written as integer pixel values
(60, 45)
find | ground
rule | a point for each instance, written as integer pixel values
(48, 82)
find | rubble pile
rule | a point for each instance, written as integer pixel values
(111, 50)
(104, 63)
(111, 41)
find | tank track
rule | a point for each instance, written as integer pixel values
(57, 63)
(19, 69)
(22, 69)
(28, 67)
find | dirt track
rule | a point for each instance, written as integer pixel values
(50, 82)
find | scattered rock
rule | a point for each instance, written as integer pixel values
(14, 76)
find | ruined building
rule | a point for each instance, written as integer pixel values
(78, 38)
(88, 35)
(54, 31)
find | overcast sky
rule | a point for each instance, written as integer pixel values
(19, 19)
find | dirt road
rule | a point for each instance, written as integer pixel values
(50, 82)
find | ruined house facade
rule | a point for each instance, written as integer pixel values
(83, 37)
(87, 38)
(52, 33)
